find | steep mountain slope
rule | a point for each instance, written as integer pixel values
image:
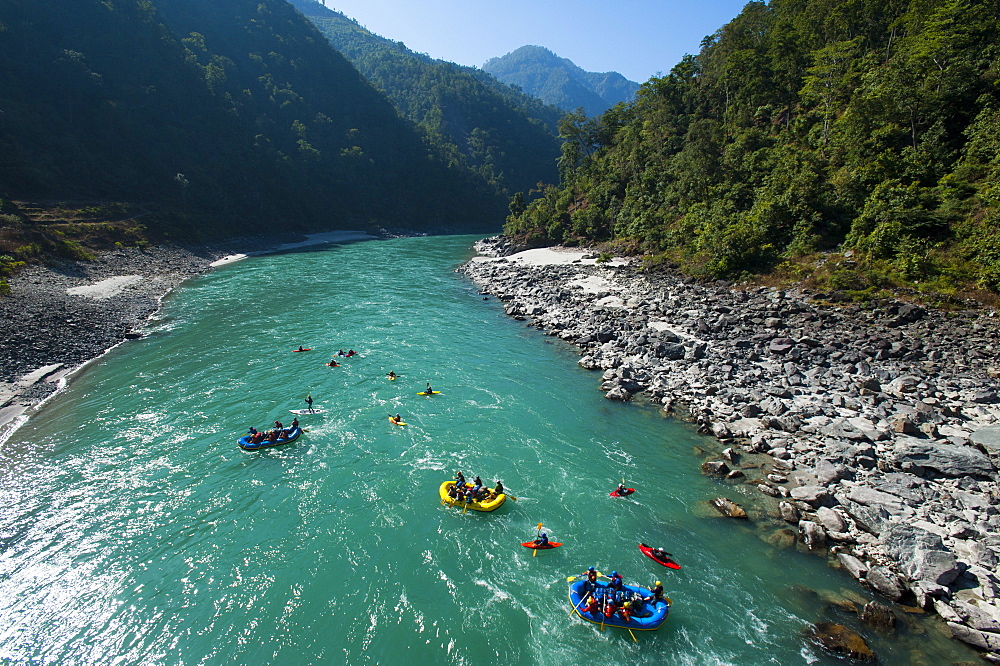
(509, 138)
(802, 126)
(554, 80)
(216, 114)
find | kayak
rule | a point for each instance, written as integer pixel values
(392, 379)
(648, 552)
(615, 493)
(289, 435)
(550, 544)
(395, 422)
(426, 393)
(646, 616)
(300, 412)
(295, 351)
(477, 506)
(333, 365)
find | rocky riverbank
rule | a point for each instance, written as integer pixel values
(880, 423)
(61, 316)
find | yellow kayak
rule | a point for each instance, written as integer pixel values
(477, 506)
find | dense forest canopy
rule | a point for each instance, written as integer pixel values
(559, 81)
(229, 116)
(504, 135)
(802, 126)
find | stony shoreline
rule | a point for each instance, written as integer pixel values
(59, 317)
(881, 425)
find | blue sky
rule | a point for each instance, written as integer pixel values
(638, 38)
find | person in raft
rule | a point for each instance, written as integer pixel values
(592, 605)
(616, 582)
(350, 353)
(391, 375)
(295, 422)
(591, 583)
(309, 401)
(251, 431)
(542, 540)
(657, 593)
(459, 479)
(626, 611)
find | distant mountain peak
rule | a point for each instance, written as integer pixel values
(538, 71)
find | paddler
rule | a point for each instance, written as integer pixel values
(591, 583)
(295, 422)
(428, 390)
(592, 606)
(391, 375)
(309, 401)
(626, 611)
(657, 593)
(616, 581)
(542, 540)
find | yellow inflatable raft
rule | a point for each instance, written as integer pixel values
(489, 505)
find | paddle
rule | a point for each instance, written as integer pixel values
(534, 551)
(577, 606)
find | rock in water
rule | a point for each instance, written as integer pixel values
(715, 468)
(838, 639)
(728, 508)
(878, 615)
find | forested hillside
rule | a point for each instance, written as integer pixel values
(506, 136)
(559, 81)
(221, 116)
(804, 126)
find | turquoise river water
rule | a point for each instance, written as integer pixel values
(133, 530)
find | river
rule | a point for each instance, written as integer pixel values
(135, 531)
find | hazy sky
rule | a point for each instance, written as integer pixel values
(635, 37)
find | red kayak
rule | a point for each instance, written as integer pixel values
(550, 544)
(294, 351)
(615, 493)
(648, 552)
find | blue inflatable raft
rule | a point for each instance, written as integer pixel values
(646, 615)
(289, 435)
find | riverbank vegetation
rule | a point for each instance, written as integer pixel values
(224, 118)
(854, 142)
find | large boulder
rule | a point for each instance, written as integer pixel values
(885, 582)
(987, 640)
(878, 615)
(812, 495)
(717, 468)
(840, 640)
(988, 439)
(831, 520)
(954, 460)
(788, 512)
(922, 556)
(812, 534)
(853, 565)
(729, 508)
